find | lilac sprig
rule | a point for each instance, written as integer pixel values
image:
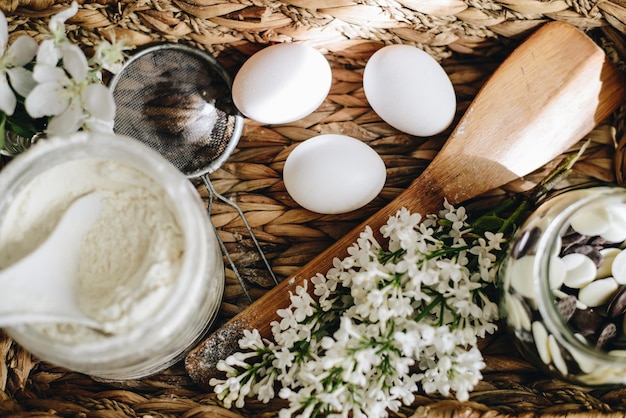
(384, 322)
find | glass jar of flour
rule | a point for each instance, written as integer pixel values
(563, 287)
(150, 266)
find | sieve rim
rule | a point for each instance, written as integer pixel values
(214, 65)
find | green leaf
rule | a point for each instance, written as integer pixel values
(21, 123)
(26, 132)
(488, 223)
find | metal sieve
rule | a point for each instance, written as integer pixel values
(177, 100)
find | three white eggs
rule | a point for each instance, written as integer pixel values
(332, 174)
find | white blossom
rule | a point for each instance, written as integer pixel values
(251, 340)
(61, 90)
(387, 322)
(69, 95)
(13, 75)
(301, 303)
(110, 55)
(57, 23)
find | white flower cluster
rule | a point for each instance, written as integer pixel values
(380, 324)
(55, 79)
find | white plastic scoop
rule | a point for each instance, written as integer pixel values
(41, 287)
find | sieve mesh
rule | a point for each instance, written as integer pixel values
(178, 102)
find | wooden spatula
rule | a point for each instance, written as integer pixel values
(547, 95)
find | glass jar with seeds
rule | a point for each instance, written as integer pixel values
(563, 286)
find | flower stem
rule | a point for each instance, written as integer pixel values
(438, 299)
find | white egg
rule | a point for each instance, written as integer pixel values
(409, 90)
(333, 174)
(282, 83)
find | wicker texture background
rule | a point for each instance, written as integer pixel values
(469, 37)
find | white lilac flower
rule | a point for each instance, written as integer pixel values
(251, 340)
(13, 76)
(381, 313)
(283, 359)
(265, 388)
(302, 303)
(495, 240)
(325, 289)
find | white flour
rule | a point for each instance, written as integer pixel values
(129, 259)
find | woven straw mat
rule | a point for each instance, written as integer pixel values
(468, 37)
